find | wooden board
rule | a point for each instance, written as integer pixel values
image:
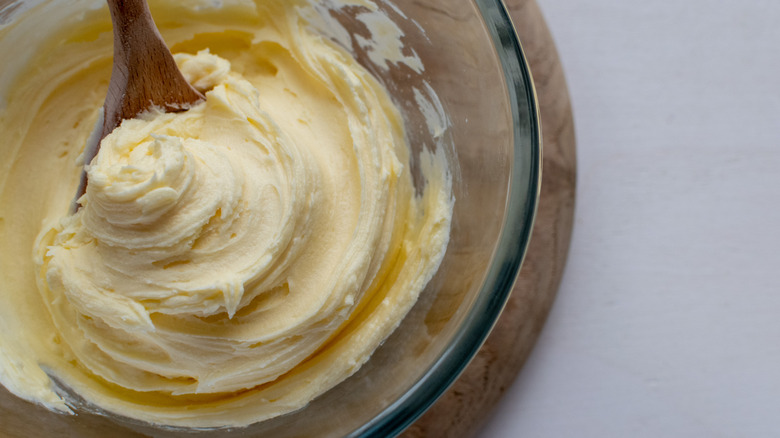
(467, 404)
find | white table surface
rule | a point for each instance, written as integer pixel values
(667, 323)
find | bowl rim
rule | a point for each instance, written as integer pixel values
(522, 202)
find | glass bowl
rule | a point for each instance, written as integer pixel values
(475, 65)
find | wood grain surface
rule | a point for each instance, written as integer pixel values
(467, 404)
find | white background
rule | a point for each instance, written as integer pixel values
(667, 323)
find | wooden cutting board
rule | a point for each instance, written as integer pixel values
(467, 404)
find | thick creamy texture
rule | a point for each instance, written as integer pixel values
(230, 262)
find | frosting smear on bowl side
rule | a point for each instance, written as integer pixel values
(230, 262)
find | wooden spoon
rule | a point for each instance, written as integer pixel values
(144, 75)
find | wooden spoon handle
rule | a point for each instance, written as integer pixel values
(144, 73)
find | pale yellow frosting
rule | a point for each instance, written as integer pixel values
(230, 262)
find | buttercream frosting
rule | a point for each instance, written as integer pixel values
(230, 262)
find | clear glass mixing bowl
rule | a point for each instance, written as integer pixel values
(474, 63)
